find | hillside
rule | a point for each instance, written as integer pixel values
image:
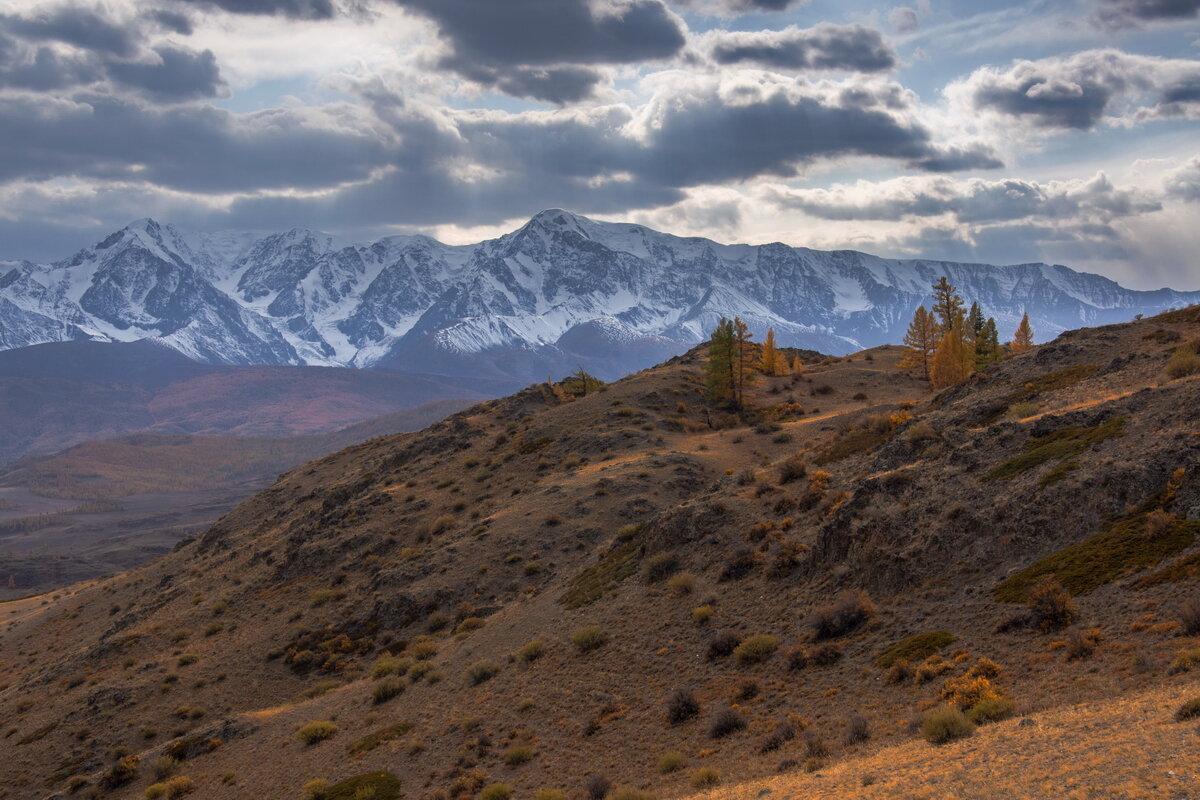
(518, 593)
(54, 396)
(561, 291)
(108, 505)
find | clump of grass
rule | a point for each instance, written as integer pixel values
(372, 786)
(702, 614)
(858, 729)
(482, 671)
(723, 643)
(783, 732)
(1184, 361)
(704, 778)
(517, 755)
(682, 583)
(597, 786)
(792, 469)
(178, 786)
(386, 688)
(550, 794)
(755, 649)
(992, 709)
(914, 648)
(1121, 547)
(682, 705)
(589, 638)
(1060, 445)
(318, 731)
(320, 689)
(944, 724)
(532, 650)
(672, 761)
(390, 665)
(659, 567)
(1189, 710)
(846, 614)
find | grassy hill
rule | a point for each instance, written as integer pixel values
(632, 590)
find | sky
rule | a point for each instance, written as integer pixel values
(1065, 132)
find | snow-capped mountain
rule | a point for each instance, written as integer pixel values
(560, 291)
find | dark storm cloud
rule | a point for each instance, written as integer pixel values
(534, 48)
(740, 6)
(190, 148)
(823, 47)
(80, 27)
(100, 53)
(1120, 14)
(959, 159)
(172, 21)
(1080, 91)
(295, 9)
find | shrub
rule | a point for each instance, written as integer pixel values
(163, 767)
(682, 706)
(371, 786)
(968, 690)
(1189, 710)
(589, 638)
(704, 777)
(632, 794)
(857, 729)
(1184, 362)
(825, 655)
(314, 732)
(123, 772)
(725, 722)
(517, 755)
(671, 762)
(473, 623)
(370, 741)
(481, 671)
(597, 786)
(682, 583)
(1189, 618)
(178, 786)
(1081, 643)
(496, 791)
(792, 469)
(659, 567)
(992, 709)
(387, 688)
(739, 565)
(755, 649)
(782, 733)
(549, 794)
(914, 648)
(815, 746)
(944, 724)
(723, 643)
(702, 614)
(848, 612)
(1051, 605)
(532, 650)
(388, 665)
(316, 789)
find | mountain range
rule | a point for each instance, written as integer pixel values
(561, 291)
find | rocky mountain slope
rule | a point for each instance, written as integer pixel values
(560, 292)
(554, 592)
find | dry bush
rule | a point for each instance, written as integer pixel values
(682, 583)
(496, 791)
(1082, 644)
(783, 732)
(814, 746)
(740, 564)
(848, 612)
(968, 690)
(899, 672)
(482, 671)
(517, 755)
(944, 724)
(387, 688)
(704, 778)
(1184, 361)
(317, 731)
(596, 786)
(825, 655)
(1051, 606)
(723, 643)
(792, 469)
(991, 710)
(1189, 618)
(1189, 710)
(702, 614)
(532, 650)
(755, 649)
(659, 567)
(857, 730)
(725, 722)
(671, 762)
(682, 705)
(589, 638)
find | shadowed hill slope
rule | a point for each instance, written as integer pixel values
(630, 584)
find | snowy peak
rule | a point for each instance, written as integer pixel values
(560, 291)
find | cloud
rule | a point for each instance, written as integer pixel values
(822, 47)
(974, 201)
(1124, 14)
(903, 19)
(1084, 90)
(172, 21)
(535, 48)
(1184, 182)
(294, 9)
(80, 27)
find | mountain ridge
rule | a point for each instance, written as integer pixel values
(559, 292)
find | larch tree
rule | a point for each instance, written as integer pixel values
(1023, 338)
(771, 362)
(797, 366)
(951, 361)
(720, 368)
(922, 340)
(745, 359)
(987, 348)
(947, 306)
